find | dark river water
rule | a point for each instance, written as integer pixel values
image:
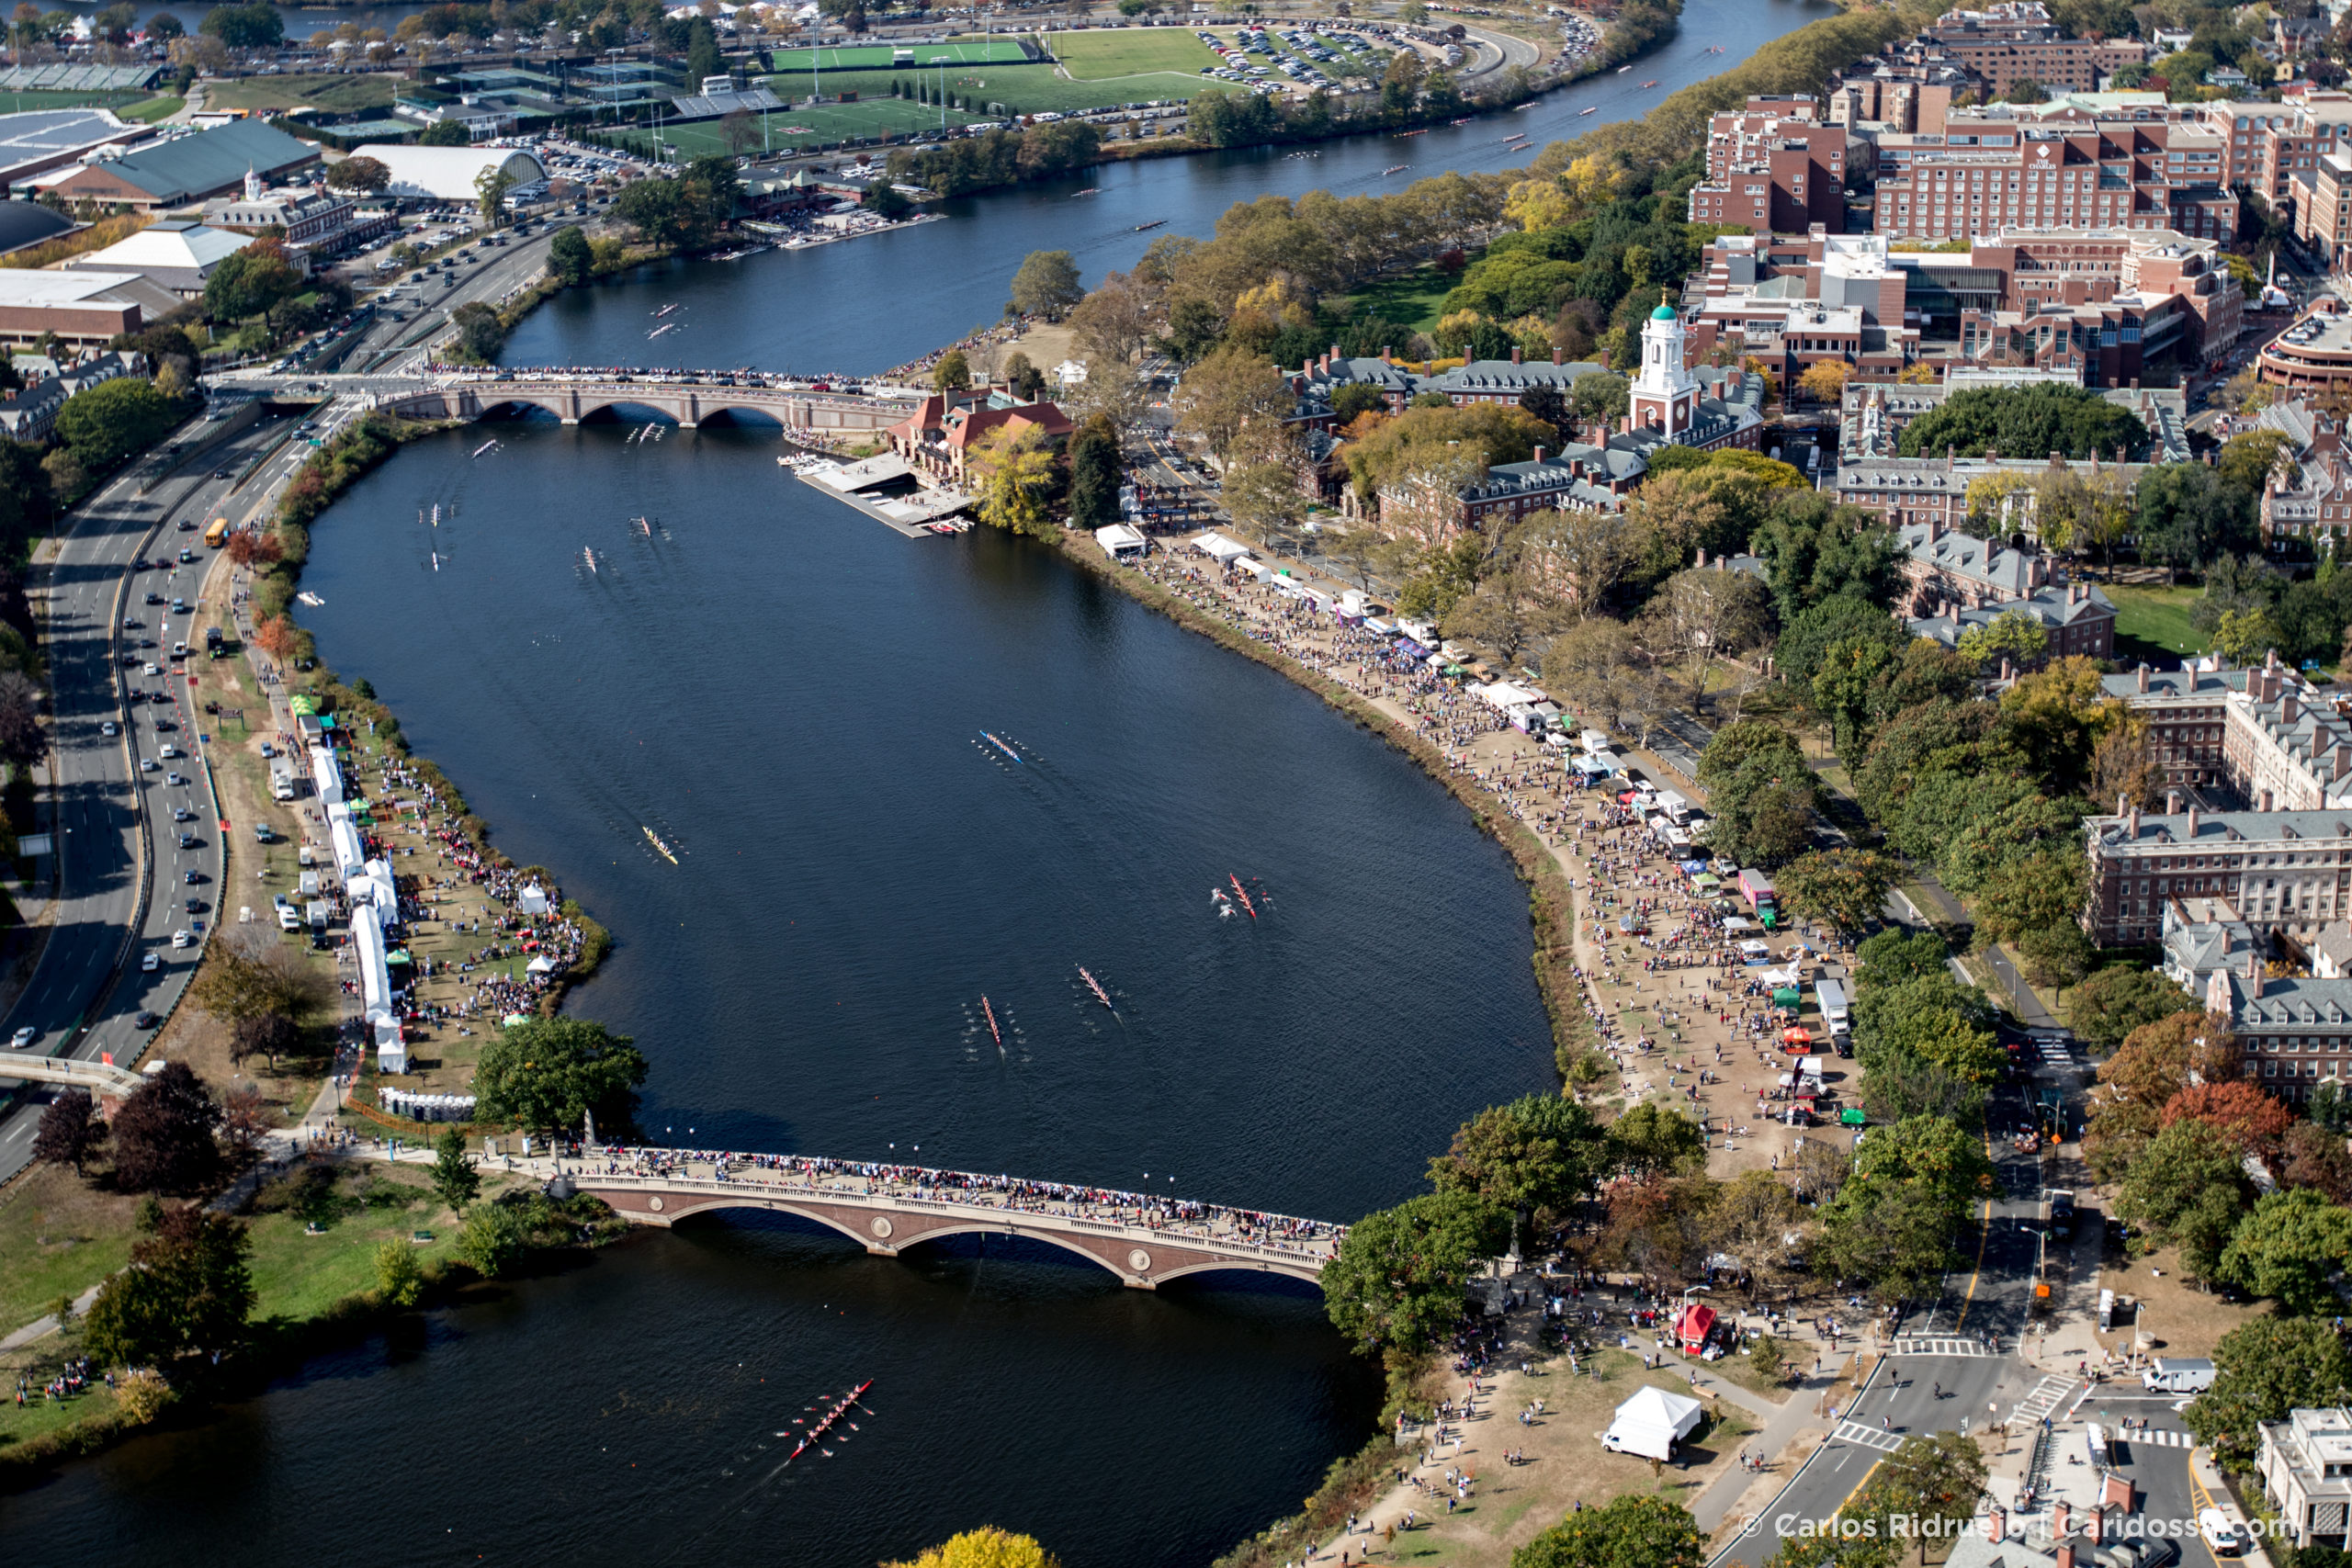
(792, 696)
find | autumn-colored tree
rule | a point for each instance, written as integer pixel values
(1824, 382)
(277, 637)
(2240, 1111)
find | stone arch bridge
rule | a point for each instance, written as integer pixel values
(689, 401)
(1129, 1234)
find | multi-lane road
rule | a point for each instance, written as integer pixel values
(136, 830)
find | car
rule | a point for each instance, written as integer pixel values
(181, 814)
(151, 668)
(222, 474)
(148, 764)
(194, 906)
(146, 1019)
(194, 877)
(190, 842)
(287, 920)
(109, 728)
(187, 525)
(269, 748)
(167, 753)
(179, 606)
(165, 724)
(130, 626)
(264, 834)
(150, 961)
(187, 555)
(179, 939)
(154, 598)
(23, 1037)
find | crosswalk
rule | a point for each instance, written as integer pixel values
(2046, 1396)
(1876, 1438)
(2157, 1438)
(2058, 1052)
(1930, 1344)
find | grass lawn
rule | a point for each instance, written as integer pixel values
(1104, 56)
(345, 94)
(1025, 89)
(2154, 620)
(58, 1235)
(801, 128)
(974, 50)
(297, 1275)
(151, 111)
(1414, 298)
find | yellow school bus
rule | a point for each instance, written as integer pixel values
(217, 535)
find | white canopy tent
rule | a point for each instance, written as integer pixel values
(1651, 1423)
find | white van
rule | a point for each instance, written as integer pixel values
(2179, 1374)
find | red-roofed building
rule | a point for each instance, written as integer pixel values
(941, 434)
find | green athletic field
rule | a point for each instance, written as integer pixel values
(1095, 56)
(806, 128)
(877, 56)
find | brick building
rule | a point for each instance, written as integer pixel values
(2077, 618)
(2294, 1030)
(2006, 44)
(1997, 175)
(2186, 711)
(1775, 167)
(2286, 872)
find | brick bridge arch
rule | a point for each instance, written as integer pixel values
(1143, 1258)
(689, 404)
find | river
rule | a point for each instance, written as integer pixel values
(792, 696)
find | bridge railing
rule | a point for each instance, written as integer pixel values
(101, 1077)
(867, 1192)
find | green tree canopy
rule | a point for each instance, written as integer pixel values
(2262, 1369)
(2114, 1002)
(1842, 888)
(1652, 1140)
(2026, 422)
(188, 1291)
(112, 420)
(2290, 1249)
(1540, 1152)
(570, 256)
(1837, 618)
(1628, 1531)
(1047, 285)
(1398, 1278)
(2186, 1187)
(547, 1073)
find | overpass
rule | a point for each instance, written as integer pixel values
(107, 1083)
(1145, 1240)
(688, 397)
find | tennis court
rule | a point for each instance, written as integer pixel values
(878, 56)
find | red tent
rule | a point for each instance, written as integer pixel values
(1693, 1328)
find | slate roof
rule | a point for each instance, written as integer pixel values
(187, 167)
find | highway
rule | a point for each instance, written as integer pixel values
(136, 831)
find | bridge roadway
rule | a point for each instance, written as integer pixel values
(1146, 1241)
(571, 395)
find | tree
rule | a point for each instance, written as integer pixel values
(492, 1239)
(491, 186)
(107, 423)
(1699, 613)
(2262, 1368)
(162, 1134)
(1897, 1237)
(1842, 887)
(885, 199)
(1530, 1155)
(70, 1132)
(1226, 393)
(570, 257)
(1896, 955)
(984, 1548)
(450, 133)
(1047, 285)
(547, 1073)
(255, 26)
(1397, 1280)
(741, 134)
(2316, 1157)
(454, 1176)
(1824, 382)
(2032, 421)
(1750, 1222)
(2012, 635)
(1651, 1141)
(398, 1278)
(1899, 1084)
(1768, 1360)
(359, 174)
(1017, 478)
(2031, 893)
(1629, 1531)
(187, 1290)
(2290, 1249)
(2251, 1121)
(480, 332)
(953, 373)
(1117, 319)
(162, 28)
(1841, 618)
(1937, 1477)
(1094, 474)
(248, 283)
(2188, 1188)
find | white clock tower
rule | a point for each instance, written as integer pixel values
(1665, 394)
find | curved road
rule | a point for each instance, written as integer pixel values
(88, 986)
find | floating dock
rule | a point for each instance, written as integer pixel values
(911, 513)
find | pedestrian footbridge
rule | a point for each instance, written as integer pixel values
(1145, 1240)
(107, 1083)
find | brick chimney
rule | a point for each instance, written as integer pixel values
(2254, 972)
(2192, 824)
(1558, 356)
(2007, 672)
(2143, 675)
(1514, 354)
(1385, 358)
(2061, 1522)
(2343, 760)
(2172, 803)
(1996, 1525)
(2096, 1529)
(2131, 820)
(2290, 707)
(2263, 800)
(1539, 457)
(1335, 352)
